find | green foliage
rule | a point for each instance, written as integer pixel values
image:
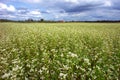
(59, 51)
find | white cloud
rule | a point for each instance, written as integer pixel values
(11, 8)
(58, 15)
(72, 1)
(32, 1)
(107, 3)
(34, 12)
(11, 16)
(8, 16)
(6, 7)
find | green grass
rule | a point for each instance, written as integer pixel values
(60, 51)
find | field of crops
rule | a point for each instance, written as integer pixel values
(60, 51)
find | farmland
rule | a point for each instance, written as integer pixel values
(59, 51)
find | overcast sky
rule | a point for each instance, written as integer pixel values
(60, 9)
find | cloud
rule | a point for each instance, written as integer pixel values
(7, 11)
(115, 4)
(75, 5)
(7, 16)
(10, 8)
(62, 9)
(107, 3)
(30, 1)
(24, 13)
(34, 13)
(72, 1)
(10, 12)
(81, 8)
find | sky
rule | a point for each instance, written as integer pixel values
(78, 10)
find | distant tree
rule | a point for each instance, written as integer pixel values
(30, 20)
(42, 20)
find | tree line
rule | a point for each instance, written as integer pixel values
(60, 21)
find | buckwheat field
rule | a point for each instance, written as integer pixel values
(60, 51)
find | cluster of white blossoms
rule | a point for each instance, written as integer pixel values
(87, 61)
(72, 54)
(62, 76)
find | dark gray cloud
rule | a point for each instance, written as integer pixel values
(81, 8)
(116, 5)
